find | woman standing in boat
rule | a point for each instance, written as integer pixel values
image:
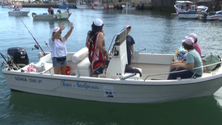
(193, 61)
(57, 44)
(95, 42)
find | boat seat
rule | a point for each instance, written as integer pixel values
(136, 77)
(84, 68)
(76, 59)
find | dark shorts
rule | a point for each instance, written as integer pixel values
(55, 62)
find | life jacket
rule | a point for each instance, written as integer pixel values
(96, 57)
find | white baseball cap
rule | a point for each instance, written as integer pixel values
(98, 22)
(56, 29)
(188, 41)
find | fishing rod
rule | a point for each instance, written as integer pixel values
(33, 37)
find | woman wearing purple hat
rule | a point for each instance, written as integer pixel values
(193, 61)
(195, 37)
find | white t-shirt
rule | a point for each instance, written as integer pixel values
(58, 47)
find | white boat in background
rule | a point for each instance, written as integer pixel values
(219, 14)
(7, 5)
(97, 5)
(208, 17)
(115, 85)
(45, 16)
(188, 10)
(81, 5)
(128, 7)
(18, 10)
(109, 6)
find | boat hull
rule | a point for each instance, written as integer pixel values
(109, 90)
(184, 15)
(209, 17)
(18, 13)
(49, 17)
(220, 17)
(81, 6)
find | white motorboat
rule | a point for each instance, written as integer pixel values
(115, 85)
(188, 10)
(128, 7)
(18, 13)
(208, 17)
(7, 5)
(109, 6)
(18, 10)
(219, 14)
(46, 16)
(97, 5)
(81, 5)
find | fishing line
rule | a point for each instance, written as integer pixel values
(33, 37)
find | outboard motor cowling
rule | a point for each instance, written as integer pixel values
(19, 56)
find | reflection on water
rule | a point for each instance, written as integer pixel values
(55, 110)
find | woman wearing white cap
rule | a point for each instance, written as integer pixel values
(95, 42)
(57, 44)
(193, 61)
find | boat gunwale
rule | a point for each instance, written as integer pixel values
(118, 82)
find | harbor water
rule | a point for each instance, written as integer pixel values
(158, 32)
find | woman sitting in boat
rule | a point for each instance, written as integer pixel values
(58, 46)
(193, 61)
(95, 42)
(17, 9)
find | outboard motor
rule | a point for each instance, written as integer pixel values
(19, 56)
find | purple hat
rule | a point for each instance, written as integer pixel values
(188, 41)
(193, 35)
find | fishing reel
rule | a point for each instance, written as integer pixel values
(36, 47)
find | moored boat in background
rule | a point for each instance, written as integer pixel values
(81, 5)
(65, 5)
(97, 5)
(45, 16)
(18, 10)
(211, 16)
(188, 10)
(219, 14)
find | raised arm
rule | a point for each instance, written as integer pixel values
(70, 31)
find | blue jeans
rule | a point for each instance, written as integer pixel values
(182, 75)
(55, 62)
